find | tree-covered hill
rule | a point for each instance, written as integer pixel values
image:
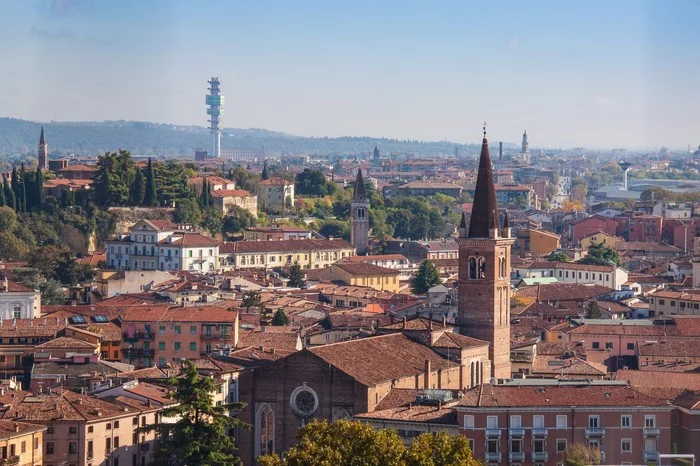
(19, 137)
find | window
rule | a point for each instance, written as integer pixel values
(538, 445)
(492, 445)
(72, 430)
(492, 422)
(630, 346)
(193, 346)
(116, 424)
(608, 345)
(538, 421)
(626, 421)
(561, 445)
(650, 420)
(161, 346)
(265, 426)
(516, 446)
(143, 421)
(161, 329)
(626, 445)
(561, 421)
(594, 421)
(178, 345)
(161, 361)
(50, 430)
(471, 444)
(17, 311)
(178, 330)
(650, 444)
(23, 447)
(594, 443)
(515, 422)
(49, 448)
(108, 444)
(135, 421)
(91, 429)
(193, 330)
(596, 345)
(468, 421)
(109, 426)
(72, 447)
(116, 442)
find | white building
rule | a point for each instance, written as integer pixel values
(569, 272)
(275, 194)
(18, 301)
(160, 245)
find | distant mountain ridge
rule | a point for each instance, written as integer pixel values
(142, 138)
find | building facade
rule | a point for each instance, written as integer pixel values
(309, 253)
(18, 301)
(276, 194)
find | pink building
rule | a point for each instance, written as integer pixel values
(591, 225)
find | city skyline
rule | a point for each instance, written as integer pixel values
(596, 76)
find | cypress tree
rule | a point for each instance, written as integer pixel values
(150, 198)
(39, 188)
(204, 198)
(139, 187)
(264, 175)
(2, 192)
(9, 194)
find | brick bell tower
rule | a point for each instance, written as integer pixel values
(484, 271)
(359, 216)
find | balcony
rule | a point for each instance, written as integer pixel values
(493, 457)
(133, 353)
(138, 335)
(539, 432)
(652, 431)
(651, 457)
(493, 433)
(516, 456)
(516, 432)
(540, 456)
(595, 432)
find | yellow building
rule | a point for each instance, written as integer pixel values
(363, 274)
(600, 237)
(308, 253)
(537, 242)
(21, 443)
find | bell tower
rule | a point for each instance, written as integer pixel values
(43, 154)
(484, 271)
(359, 218)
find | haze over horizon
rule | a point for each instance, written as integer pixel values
(573, 74)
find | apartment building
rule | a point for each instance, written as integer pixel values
(570, 272)
(362, 274)
(21, 443)
(18, 301)
(308, 253)
(160, 245)
(671, 303)
(275, 194)
(534, 424)
(225, 199)
(162, 334)
(275, 233)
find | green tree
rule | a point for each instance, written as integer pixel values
(593, 310)
(251, 299)
(280, 318)
(150, 195)
(264, 175)
(558, 257)
(39, 189)
(335, 228)
(11, 247)
(600, 254)
(237, 219)
(426, 278)
(202, 433)
(114, 177)
(296, 276)
(312, 182)
(440, 449)
(188, 211)
(205, 199)
(138, 190)
(578, 454)
(213, 220)
(8, 219)
(9, 194)
(341, 443)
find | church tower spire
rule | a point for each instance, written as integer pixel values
(525, 151)
(359, 216)
(43, 154)
(484, 274)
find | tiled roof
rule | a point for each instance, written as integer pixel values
(378, 257)
(503, 396)
(364, 269)
(78, 167)
(67, 405)
(455, 340)
(10, 429)
(276, 181)
(546, 364)
(178, 314)
(672, 349)
(279, 341)
(230, 193)
(570, 266)
(14, 287)
(379, 359)
(415, 413)
(189, 240)
(418, 323)
(562, 291)
(288, 246)
(66, 343)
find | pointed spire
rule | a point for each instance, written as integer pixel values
(506, 223)
(359, 192)
(41, 137)
(462, 230)
(485, 208)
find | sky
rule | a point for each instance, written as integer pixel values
(594, 74)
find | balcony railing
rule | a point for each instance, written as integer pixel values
(493, 456)
(652, 431)
(516, 432)
(539, 432)
(138, 335)
(138, 353)
(493, 432)
(540, 456)
(595, 432)
(514, 456)
(651, 456)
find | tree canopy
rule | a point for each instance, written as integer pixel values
(600, 254)
(296, 276)
(426, 278)
(312, 182)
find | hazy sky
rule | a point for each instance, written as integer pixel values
(590, 73)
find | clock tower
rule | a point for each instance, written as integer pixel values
(484, 271)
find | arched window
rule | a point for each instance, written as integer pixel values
(472, 267)
(482, 267)
(265, 430)
(341, 413)
(360, 213)
(502, 267)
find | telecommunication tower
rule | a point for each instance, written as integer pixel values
(215, 107)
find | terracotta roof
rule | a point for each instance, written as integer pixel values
(179, 314)
(189, 240)
(14, 287)
(278, 341)
(379, 359)
(417, 323)
(455, 340)
(67, 406)
(570, 266)
(10, 429)
(556, 365)
(502, 396)
(230, 193)
(415, 413)
(66, 343)
(78, 167)
(670, 349)
(562, 291)
(379, 257)
(363, 269)
(276, 181)
(284, 246)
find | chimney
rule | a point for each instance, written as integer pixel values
(444, 321)
(426, 376)
(16, 427)
(404, 322)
